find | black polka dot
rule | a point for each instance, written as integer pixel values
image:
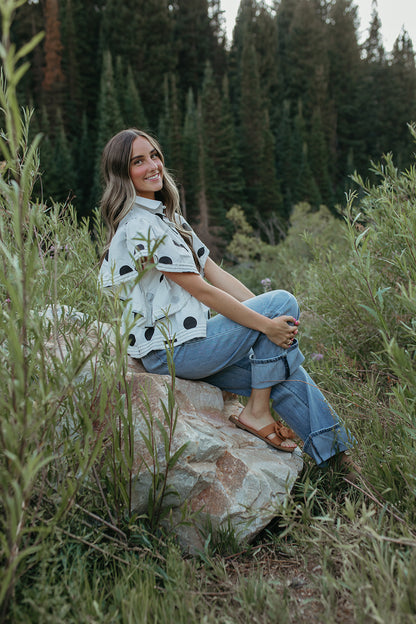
(165, 260)
(186, 227)
(125, 269)
(106, 255)
(132, 340)
(201, 251)
(140, 247)
(190, 322)
(148, 334)
(161, 278)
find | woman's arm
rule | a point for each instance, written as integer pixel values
(225, 281)
(277, 330)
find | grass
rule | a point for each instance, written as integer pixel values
(72, 550)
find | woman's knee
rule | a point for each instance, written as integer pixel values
(288, 302)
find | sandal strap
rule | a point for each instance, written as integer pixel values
(272, 428)
(286, 432)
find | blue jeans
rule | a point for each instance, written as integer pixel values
(236, 358)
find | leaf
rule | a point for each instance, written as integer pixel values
(372, 312)
(28, 47)
(361, 236)
(175, 457)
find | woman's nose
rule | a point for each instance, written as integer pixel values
(152, 164)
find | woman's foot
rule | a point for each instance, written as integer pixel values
(345, 464)
(266, 428)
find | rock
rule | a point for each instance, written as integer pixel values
(227, 475)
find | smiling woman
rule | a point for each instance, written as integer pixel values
(250, 347)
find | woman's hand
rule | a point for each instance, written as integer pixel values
(281, 332)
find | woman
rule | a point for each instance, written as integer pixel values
(157, 265)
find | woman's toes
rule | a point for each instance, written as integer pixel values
(288, 444)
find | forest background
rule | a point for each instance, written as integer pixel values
(284, 114)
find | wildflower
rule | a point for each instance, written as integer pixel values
(266, 283)
(317, 356)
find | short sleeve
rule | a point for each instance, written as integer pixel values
(200, 248)
(163, 244)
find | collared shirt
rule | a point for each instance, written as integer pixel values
(156, 308)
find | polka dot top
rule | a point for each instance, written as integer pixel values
(156, 309)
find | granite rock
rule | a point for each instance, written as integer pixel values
(228, 475)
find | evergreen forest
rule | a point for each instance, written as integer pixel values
(283, 113)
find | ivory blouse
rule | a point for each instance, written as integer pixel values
(156, 308)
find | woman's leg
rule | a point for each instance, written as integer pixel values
(228, 342)
(256, 414)
(301, 404)
(239, 359)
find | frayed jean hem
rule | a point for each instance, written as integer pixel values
(324, 444)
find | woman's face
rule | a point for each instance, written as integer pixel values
(146, 168)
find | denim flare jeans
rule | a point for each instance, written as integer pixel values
(235, 358)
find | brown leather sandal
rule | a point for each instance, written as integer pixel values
(264, 432)
(286, 432)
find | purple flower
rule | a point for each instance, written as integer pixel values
(317, 356)
(266, 283)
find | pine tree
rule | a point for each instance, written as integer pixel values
(254, 21)
(286, 168)
(84, 160)
(109, 119)
(142, 37)
(195, 36)
(251, 126)
(296, 157)
(212, 148)
(131, 104)
(344, 74)
(272, 218)
(190, 159)
(369, 124)
(401, 101)
(318, 159)
(63, 172)
(170, 131)
(307, 187)
(229, 170)
(307, 57)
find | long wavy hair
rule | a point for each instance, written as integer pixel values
(119, 192)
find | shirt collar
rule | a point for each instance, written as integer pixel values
(152, 205)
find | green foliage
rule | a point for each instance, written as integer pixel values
(287, 263)
(66, 452)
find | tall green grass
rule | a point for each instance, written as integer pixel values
(71, 547)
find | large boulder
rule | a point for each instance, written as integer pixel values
(229, 476)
